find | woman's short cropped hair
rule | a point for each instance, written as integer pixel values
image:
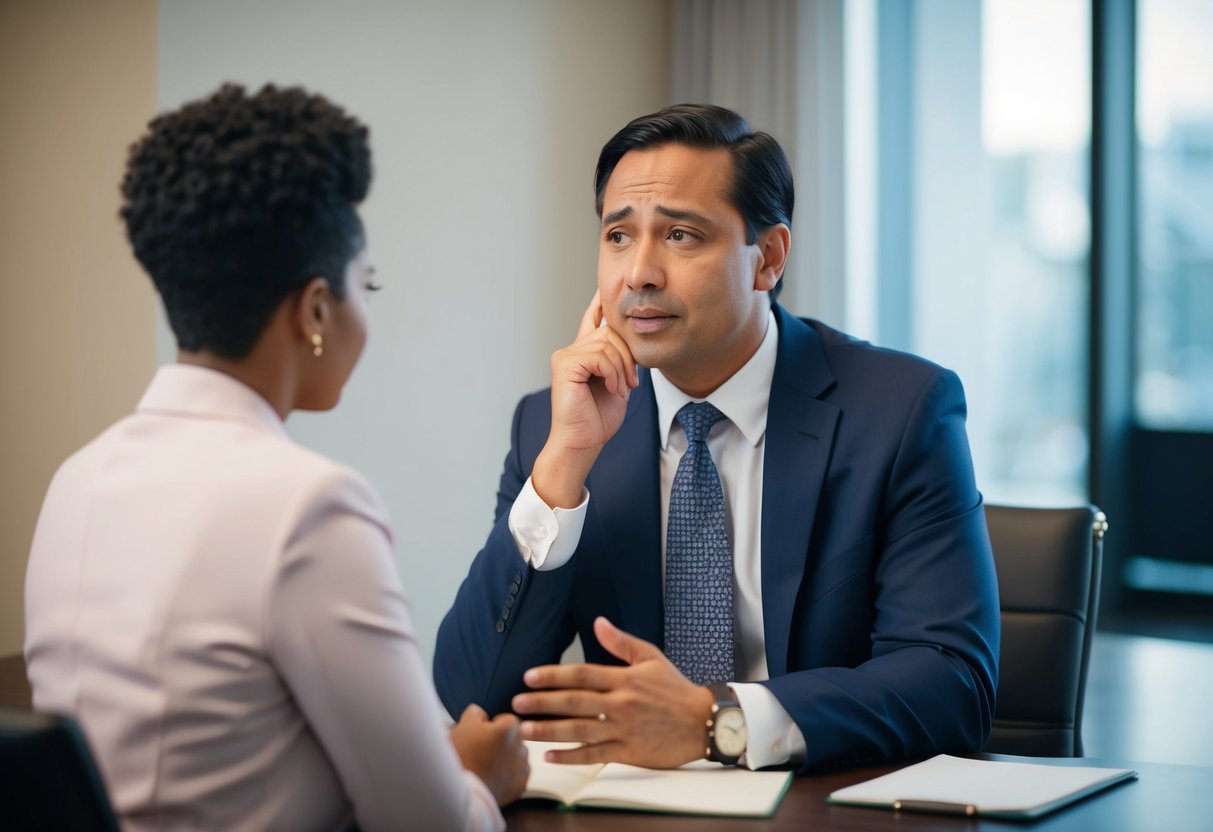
(234, 201)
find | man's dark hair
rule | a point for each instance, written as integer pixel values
(234, 201)
(762, 178)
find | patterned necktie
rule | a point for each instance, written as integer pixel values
(699, 560)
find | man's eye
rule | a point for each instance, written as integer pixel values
(615, 237)
(678, 235)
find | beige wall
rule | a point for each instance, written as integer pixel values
(77, 83)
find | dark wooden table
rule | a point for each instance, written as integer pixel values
(1168, 798)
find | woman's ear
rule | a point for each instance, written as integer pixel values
(312, 308)
(773, 246)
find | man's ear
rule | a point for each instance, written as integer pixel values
(313, 308)
(773, 246)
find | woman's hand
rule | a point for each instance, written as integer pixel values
(492, 750)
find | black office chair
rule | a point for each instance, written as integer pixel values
(48, 779)
(1048, 563)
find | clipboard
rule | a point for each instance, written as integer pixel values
(995, 789)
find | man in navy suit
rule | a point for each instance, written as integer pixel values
(864, 623)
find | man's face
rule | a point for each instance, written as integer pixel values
(677, 280)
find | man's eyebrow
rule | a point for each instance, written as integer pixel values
(671, 213)
(616, 216)
(687, 216)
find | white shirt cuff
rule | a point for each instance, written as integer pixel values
(546, 537)
(772, 737)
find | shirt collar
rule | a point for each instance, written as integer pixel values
(202, 393)
(743, 398)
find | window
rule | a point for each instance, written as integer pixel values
(981, 224)
(981, 220)
(1171, 461)
(1174, 378)
(1036, 124)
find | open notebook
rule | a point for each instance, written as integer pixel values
(955, 785)
(698, 788)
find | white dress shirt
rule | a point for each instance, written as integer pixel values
(547, 538)
(220, 610)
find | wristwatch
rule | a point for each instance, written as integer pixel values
(726, 726)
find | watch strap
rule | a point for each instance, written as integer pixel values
(723, 696)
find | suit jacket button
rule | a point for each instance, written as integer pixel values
(500, 625)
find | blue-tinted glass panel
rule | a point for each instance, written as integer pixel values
(1174, 388)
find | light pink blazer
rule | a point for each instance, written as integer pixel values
(220, 609)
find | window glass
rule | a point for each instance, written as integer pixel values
(1174, 381)
(1035, 115)
(981, 220)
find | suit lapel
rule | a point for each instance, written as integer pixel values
(625, 485)
(799, 440)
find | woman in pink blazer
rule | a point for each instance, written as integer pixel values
(216, 605)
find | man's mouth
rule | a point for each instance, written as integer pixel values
(646, 319)
(647, 313)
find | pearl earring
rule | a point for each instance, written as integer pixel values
(317, 345)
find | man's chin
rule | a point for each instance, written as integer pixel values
(650, 349)
(649, 355)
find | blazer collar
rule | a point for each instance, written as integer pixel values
(800, 437)
(625, 485)
(802, 363)
(201, 393)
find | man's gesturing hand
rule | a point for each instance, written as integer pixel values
(652, 715)
(591, 380)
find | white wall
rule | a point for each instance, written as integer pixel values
(486, 120)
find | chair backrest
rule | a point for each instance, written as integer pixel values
(48, 779)
(1048, 563)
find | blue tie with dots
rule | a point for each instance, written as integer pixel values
(699, 560)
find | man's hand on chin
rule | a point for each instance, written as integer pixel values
(645, 714)
(591, 381)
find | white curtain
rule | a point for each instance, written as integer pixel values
(780, 64)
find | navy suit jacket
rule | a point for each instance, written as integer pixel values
(879, 600)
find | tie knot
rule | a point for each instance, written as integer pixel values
(697, 419)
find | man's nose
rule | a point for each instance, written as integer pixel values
(647, 270)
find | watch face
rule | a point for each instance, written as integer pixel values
(730, 732)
